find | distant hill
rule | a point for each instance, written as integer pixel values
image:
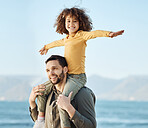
(18, 88)
(130, 88)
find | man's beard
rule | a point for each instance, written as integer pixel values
(59, 78)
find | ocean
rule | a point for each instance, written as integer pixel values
(109, 114)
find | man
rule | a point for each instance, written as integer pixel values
(81, 110)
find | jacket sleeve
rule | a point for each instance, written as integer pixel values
(56, 43)
(85, 116)
(33, 113)
(93, 34)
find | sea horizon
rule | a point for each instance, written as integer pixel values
(117, 114)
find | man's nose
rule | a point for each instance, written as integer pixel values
(51, 72)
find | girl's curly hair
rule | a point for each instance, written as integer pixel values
(85, 23)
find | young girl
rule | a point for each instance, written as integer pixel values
(77, 25)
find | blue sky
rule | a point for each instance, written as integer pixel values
(27, 25)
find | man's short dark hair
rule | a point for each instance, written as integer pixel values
(62, 61)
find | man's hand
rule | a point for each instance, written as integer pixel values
(114, 34)
(43, 51)
(35, 91)
(64, 103)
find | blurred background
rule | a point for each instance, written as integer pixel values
(116, 68)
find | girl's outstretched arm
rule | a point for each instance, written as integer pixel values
(53, 44)
(114, 34)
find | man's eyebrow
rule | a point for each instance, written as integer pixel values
(52, 67)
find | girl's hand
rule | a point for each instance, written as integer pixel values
(43, 51)
(114, 34)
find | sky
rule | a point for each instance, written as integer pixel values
(27, 25)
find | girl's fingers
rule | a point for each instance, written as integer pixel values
(120, 32)
(41, 50)
(46, 52)
(42, 53)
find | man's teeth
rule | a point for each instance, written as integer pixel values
(52, 77)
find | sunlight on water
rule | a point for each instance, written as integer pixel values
(109, 114)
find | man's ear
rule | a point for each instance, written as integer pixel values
(65, 69)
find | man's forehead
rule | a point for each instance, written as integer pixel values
(52, 63)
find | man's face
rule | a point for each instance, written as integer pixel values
(55, 71)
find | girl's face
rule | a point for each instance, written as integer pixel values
(71, 24)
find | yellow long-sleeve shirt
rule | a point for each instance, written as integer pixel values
(75, 48)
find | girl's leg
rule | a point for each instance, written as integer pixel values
(74, 83)
(41, 99)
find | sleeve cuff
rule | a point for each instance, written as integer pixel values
(108, 33)
(77, 117)
(33, 113)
